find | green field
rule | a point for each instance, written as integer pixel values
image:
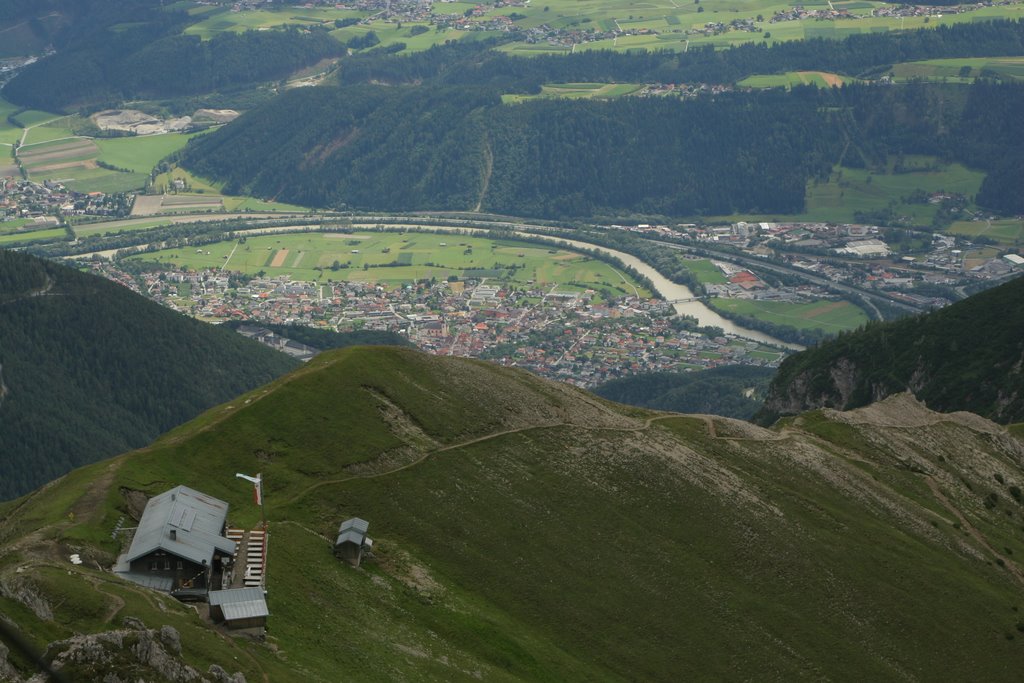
(33, 117)
(310, 256)
(705, 271)
(55, 153)
(112, 227)
(952, 69)
(1009, 232)
(850, 190)
(664, 20)
(578, 91)
(221, 20)
(8, 134)
(830, 316)
(141, 153)
(51, 235)
(13, 225)
(792, 78)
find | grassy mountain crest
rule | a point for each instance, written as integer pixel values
(969, 356)
(526, 530)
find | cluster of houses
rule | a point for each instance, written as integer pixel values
(48, 202)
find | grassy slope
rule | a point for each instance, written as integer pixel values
(512, 545)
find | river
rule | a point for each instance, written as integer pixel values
(672, 291)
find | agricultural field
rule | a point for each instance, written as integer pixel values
(141, 153)
(411, 256)
(667, 22)
(220, 19)
(827, 315)
(962, 70)
(578, 91)
(16, 225)
(50, 235)
(850, 190)
(792, 78)
(662, 24)
(1009, 232)
(705, 271)
(9, 134)
(54, 153)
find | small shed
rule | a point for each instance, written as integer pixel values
(352, 541)
(239, 607)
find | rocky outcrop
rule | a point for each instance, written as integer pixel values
(968, 356)
(7, 672)
(130, 655)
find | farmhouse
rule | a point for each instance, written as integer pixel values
(239, 607)
(352, 541)
(179, 544)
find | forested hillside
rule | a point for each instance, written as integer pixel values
(446, 148)
(969, 356)
(427, 147)
(88, 369)
(732, 391)
(123, 50)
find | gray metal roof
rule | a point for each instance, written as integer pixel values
(160, 583)
(240, 603)
(196, 519)
(352, 531)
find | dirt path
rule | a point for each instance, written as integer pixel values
(1008, 564)
(648, 423)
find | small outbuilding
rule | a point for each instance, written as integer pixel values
(352, 541)
(239, 607)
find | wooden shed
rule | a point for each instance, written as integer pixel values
(352, 541)
(239, 607)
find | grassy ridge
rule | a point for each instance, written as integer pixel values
(527, 531)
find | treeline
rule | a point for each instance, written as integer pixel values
(152, 60)
(325, 340)
(937, 356)
(460, 148)
(91, 370)
(732, 391)
(467, 63)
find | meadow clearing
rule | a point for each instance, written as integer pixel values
(824, 314)
(361, 257)
(1009, 232)
(961, 70)
(791, 78)
(578, 91)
